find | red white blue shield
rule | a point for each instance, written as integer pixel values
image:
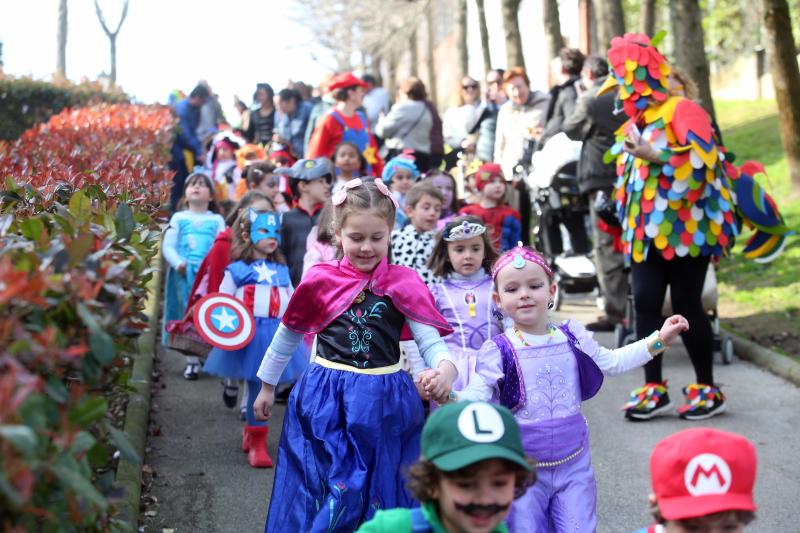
(223, 321)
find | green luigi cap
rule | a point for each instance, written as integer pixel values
(460, 434)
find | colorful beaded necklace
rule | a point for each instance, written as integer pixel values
(551, 330)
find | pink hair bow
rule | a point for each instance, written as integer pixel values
(385, 191)
(517, 257)
(341, 195)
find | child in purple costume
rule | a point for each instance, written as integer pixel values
(463, 256)
(542, 373)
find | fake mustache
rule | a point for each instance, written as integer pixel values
(486, 510)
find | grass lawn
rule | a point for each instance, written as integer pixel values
(762, 302)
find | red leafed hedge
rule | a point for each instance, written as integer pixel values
(78, 233)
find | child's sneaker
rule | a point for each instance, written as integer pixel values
(702, 401)
(191, 371)
(647, 402)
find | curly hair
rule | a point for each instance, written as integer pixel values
(423, 477)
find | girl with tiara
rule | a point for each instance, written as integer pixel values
(353, 421)
(463, 256)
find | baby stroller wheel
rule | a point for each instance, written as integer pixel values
(619, 336)
(726, 353)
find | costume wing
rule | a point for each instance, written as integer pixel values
(759, 211)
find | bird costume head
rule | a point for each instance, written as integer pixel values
(639, 70)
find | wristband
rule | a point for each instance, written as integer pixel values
(452, 398)
(655, 344)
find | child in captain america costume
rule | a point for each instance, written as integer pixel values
(259, 278)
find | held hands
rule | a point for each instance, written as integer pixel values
(262, 408)
(673, 326)
(436, 383)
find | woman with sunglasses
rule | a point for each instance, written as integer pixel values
(459, 119)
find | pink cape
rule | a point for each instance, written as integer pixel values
(328, 289)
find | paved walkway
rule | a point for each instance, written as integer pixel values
(203, 483)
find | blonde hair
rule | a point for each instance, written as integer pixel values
(365, 197)
(689, 87)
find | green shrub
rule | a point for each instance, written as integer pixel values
(25, 102)
(78, 234)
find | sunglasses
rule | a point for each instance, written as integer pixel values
(469, 87)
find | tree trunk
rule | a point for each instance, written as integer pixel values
(461, 36)
(112, 36)
(552, 28)
(412, 46)
(377, 68)
(690, 54)
(487, 56)
(430, 60)
(647, 17)
(513, 37)
(391, 73)
(610, 22)
(61, 64)
(112, 39)
(786, 80)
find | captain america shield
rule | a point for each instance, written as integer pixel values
(223, 321)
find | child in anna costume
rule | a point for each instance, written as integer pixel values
(353, 420)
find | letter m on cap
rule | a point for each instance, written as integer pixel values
(706, 474)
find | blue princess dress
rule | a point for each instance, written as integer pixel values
(187, 239)
(265, 289)
(354, 419)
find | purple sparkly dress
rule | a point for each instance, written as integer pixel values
(544, 384)
(466, 303)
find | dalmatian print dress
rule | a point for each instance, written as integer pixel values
(413, 249)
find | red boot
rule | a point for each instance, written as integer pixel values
(245, 440)
(258, 456)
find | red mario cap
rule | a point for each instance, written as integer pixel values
(347, 79)
(486, 173)
(701, 471)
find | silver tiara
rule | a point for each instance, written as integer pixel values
(465, 230)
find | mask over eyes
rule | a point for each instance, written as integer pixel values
(264, 226)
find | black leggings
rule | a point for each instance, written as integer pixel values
(685, 276)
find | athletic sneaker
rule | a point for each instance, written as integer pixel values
(191, 371)
(648, 402)
(702, 402)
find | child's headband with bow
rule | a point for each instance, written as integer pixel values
(341, 195)
(517, 257)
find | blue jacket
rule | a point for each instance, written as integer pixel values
(185, 136)
(292, 128)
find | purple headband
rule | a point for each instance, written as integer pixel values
(341, 195)
(517, 257)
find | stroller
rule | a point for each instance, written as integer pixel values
(559, 205)
(624, 332)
